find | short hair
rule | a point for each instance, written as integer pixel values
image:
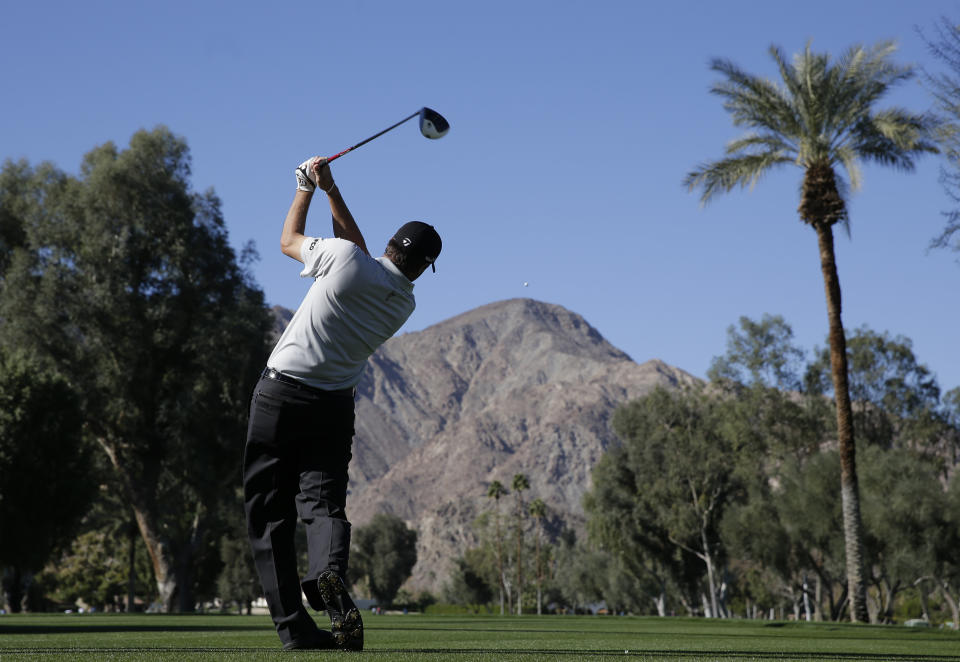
(403, 260)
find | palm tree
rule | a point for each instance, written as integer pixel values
(538, 510)
(822, 117)
(495, 491)
(520, 483)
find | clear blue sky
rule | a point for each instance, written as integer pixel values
(573, 126)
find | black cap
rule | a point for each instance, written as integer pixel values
(419, 241)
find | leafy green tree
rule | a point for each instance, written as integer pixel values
(947, 574)
(794, 529)
(587, 574)
(581, 571)
(44, 470)
(777, 535)
(468, 583)
(95, 570)
(823, 116)
(624, 591)
(18, 203)
(671, 481)
(111, 515)
(238, 582)
(519, 485)
(760, 354)
(495, 492)
(951, 415)
(757, 590)
(765, 564)
(486, 561)
(628, 529)
(905, 518)
(763, 375)
(126, 280)
(384, 552)
(896, 399)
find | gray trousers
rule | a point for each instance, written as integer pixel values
(295, 462)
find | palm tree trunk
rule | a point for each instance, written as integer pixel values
(499, 558)
(539, 571)
(849, 487)
(519, 556)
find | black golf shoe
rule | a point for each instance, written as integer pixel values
(321, 639)
(345, 621)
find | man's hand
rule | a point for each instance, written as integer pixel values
(306, 179)
(322, 175)
(313, 173)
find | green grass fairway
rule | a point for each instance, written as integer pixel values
(107, 637)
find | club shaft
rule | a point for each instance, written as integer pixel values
(364, 142)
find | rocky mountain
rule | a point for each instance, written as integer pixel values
(517, 386)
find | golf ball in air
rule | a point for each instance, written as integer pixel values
(525, 283)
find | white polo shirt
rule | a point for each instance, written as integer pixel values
(355, 304)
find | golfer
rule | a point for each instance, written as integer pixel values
(301, 425)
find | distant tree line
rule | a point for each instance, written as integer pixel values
(724, 500)
(748, 481)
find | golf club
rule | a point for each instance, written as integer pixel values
(432, 125)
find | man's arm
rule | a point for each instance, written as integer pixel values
(344, 227)
(291, 238)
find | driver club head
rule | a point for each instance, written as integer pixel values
(432, 124)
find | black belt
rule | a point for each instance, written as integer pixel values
(278, 376)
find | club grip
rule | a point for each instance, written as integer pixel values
(338, 155)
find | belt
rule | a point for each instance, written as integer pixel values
(278, 376)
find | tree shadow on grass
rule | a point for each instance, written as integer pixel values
(674, 653)
(853, 633)
(89, 628)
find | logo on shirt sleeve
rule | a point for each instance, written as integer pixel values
(312, 244)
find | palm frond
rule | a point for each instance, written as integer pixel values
(847, 157)
(788, 73)
(894, 137)
(754, 101)
(862, 77)
(723, 175)
(813, 95)
(908, 130)
(765, 142)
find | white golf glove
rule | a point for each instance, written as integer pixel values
(306, 180)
